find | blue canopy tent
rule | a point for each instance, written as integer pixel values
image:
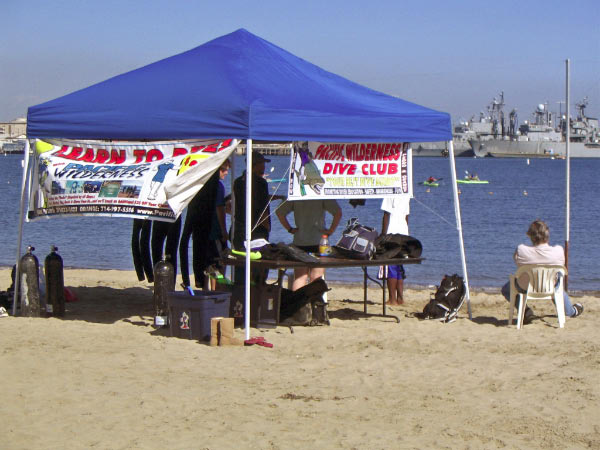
(238, 86)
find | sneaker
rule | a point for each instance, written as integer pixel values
(3, 312)
(578, 309)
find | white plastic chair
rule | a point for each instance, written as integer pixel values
(542, 286)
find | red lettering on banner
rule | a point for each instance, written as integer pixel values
(88, 156)
(322, 148)
(178, 151)
(378, 169)
(154, 155)
(117, 156)
(101, 156)
(139, 155)
(62, 151)
(75, 152)
(392, 169)
(210, 149)
(197, 148)
(339, 169)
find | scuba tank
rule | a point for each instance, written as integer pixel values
(30, 284)
(164, 282)
(55, 286)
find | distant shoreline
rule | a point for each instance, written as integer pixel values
(492, 290)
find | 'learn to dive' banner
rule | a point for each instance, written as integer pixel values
(329, 170)
(141, 180)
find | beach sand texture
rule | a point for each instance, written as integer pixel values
(103, 377)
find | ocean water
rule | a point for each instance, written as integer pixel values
(495, 218)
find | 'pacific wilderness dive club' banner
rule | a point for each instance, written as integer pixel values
(140, 180)
(330, 170)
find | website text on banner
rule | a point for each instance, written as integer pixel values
(369, 170)
(124, 179)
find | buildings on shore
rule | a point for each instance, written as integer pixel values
(12, 136)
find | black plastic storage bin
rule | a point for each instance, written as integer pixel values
(189, 316)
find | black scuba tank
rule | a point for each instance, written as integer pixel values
(55, 285)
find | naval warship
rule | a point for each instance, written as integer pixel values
(464, 133)
(539, 137)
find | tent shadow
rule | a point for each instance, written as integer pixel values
(106, 305)
(344, 314)
(489, 320)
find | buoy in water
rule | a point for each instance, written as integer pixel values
(524, 192)
(527, 161)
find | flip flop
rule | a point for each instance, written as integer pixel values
(259, 340)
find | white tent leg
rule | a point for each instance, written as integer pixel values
(459, 225)
(232, 228)
(21, 217)
(248, 234)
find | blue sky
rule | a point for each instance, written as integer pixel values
(453, 56)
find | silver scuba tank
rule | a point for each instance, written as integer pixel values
(164, 283)
(30, 285)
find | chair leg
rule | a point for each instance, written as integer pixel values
(521, 312)
(511, 309)
(559, 302)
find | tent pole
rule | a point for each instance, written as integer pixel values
(248, 234)
(21, 218)
(232, 228)
(568, 176)
(459, 224)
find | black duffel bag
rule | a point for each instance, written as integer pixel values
(388, 246)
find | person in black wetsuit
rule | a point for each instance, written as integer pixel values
(197, 225)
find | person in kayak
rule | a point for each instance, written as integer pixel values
(431, 180)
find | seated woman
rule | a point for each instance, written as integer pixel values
(540, 253)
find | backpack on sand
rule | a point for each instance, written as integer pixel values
(357, 241)
(304, 306)
(446, 301)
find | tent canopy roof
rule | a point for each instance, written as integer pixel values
(235, 86)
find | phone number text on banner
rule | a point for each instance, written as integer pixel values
(120, 178)
(329, 170)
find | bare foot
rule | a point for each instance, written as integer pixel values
(390, 303)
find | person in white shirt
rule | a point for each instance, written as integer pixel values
(395, 221)
(540, 253)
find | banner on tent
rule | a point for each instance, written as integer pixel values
(330, 170)
(140, 180)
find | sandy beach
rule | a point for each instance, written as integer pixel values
(103, 377)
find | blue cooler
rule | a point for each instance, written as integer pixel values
(189, 316)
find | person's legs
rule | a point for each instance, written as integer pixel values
(569, 308)
(401, 275)
(505, 290)
(392, 284)
(400, 291)
(317, 272)
(395, 283)
(300, 278)
(183, 251)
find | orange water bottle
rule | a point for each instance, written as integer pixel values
(324, 247)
